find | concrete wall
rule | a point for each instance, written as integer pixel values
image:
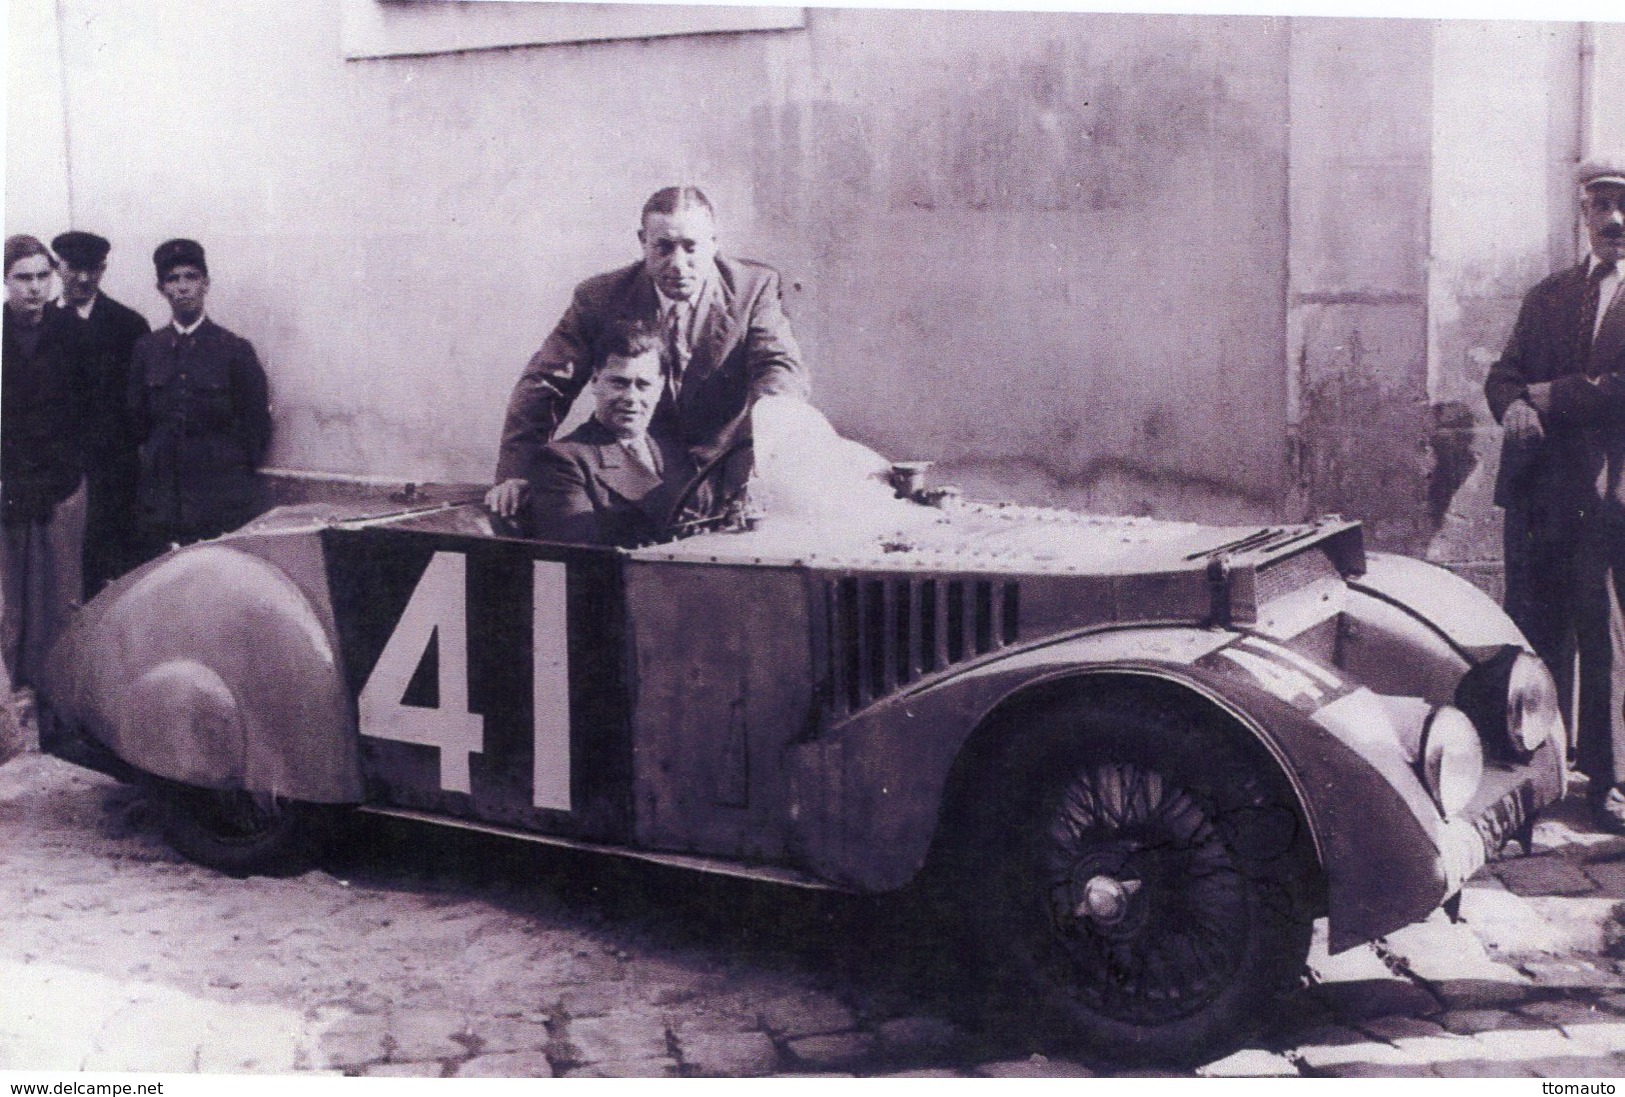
(1213, 267)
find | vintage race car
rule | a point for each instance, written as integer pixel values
(1140, 756)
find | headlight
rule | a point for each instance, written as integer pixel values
(1451, 759)
(1512, 699)
(1533, 714)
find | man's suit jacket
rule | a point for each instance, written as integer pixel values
(1554, 480)
(46, 420)
(111, 332)
(589, 489)
(742, 349)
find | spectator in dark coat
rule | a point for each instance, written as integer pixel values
(45, 420)
(1558, 392)
(200, 409)
(113, 461)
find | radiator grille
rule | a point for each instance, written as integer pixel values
(887, 633)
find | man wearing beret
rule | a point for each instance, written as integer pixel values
(113, 466)
(1559, 393)
(200, 410)
(726, 341)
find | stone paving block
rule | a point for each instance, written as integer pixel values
(832, 1052)
(1518, 1045)
(1570, 972)
(1565, 926)
(1543, 874)
(496, 1035)
(1395, 1027)
(1609, 876)
(617, 1037)
(403, 1070)
(1563, 1011)
(426, 1034)
(507, 1064)
(1329, 1035)
(806, 1015)
(1459, 994)
(1251, 1063)
(1614, 1003)
(628, 1068)
(1468, 1022)
(1367, 998)
(1598, 1036)
(917, 1036)
(1440, 952)
(1319, 1056)
(1479, 1068)
(727, 1055)
(353, 1041)
(1036, 1066)
(1356, 964)
(593, 999)
(1373, 1070)
(934, 1073)
(1577, 1066)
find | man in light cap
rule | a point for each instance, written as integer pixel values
(1559, 393)
(200, 409)
(112, 465)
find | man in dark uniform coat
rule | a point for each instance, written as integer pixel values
(113, 464)
(1556, 391)
(611, 482)
(45, 421)
(726, 341)
(200, 408)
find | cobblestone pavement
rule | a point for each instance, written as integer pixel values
(422, 953)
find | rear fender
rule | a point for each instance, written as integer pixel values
(868, 789)
(246, 696)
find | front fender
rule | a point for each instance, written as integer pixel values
(867, 790)
(247, 694)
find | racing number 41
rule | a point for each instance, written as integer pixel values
(438, 610)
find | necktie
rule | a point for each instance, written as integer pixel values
(643, 453)
(677, 350)
(1588, 309)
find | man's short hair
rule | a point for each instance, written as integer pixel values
(81, 250)
(628, 338)
(669, 200)
(22, 246)
(179, 253)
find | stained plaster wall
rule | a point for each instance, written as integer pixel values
(1044, 249)
(1211, 267)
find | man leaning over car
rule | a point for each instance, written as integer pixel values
(725, 341)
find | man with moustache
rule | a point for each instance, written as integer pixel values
(611, 482)
(113, 463)
(45, 421)
(725, 342)
(200, 409)
(1559, 393)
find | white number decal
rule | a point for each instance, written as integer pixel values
(439, 605)
(550, 687)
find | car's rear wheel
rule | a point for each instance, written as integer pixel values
(1139, 880)
(236, 832)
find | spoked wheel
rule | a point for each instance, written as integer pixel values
(1139, 885)
(236, 832)
(717, 489)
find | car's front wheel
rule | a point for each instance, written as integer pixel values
(236, 832)
(1138, 883)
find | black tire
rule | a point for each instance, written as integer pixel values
(1141, 882)
(235, 832)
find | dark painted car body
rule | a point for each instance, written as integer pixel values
(809, 718)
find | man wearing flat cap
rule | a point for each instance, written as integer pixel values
(1559, 393)
(110, 331)
(725, 341)
(200, 409)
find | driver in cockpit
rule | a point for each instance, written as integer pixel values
(610, 481)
